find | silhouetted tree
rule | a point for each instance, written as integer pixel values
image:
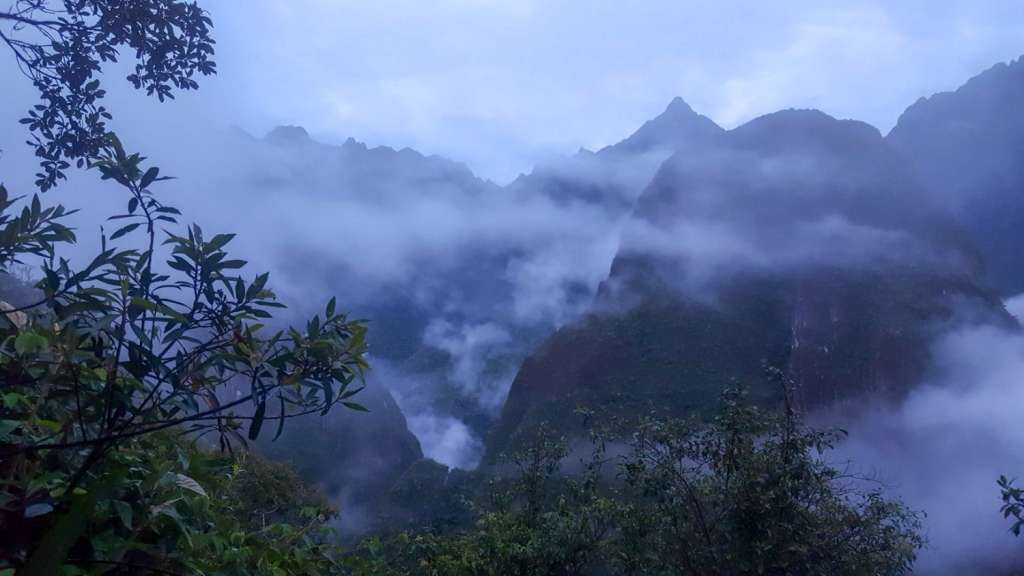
(61, 46)
(111, 376)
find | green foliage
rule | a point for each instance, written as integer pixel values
(752, 494)
(119, 375)
(121, 372)
(124, 348)
(259, 519)
(451, 503)
(268, 492)
(748, 493)
(1013, 504)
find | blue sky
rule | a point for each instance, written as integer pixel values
(501, 84)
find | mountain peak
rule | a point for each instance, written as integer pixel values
(351, 144)
(992, 95)
(678, 126)
(676, 107)
(288, 135)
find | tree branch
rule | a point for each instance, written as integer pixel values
(125, 435)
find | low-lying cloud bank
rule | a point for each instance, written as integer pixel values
(944, 447)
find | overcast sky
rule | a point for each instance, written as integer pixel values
(499, 84)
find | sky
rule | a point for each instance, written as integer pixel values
(503, 84)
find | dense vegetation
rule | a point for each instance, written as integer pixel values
(748, 493)
(116, 377)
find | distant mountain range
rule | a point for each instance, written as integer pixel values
(651, 273)
(806, 243)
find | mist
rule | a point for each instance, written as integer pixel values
(943, 448)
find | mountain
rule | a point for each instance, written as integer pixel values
(354, 457)
(967, 146)
(615, 175)
(287, 157)
(643, 278)
(795, 241)
(472, 276)
(678, 129)
(669, 264)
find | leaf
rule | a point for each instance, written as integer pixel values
(355, 406)
(124, 512)
(257, 420)
(165, 508)
(29, 343)
(143, 304)
(52, 426)
(149, 177)
(280, 421)
(124, 230)
(37, 509)
(179, 263)
(217, 242)
(58, 540)
(174, 314)
(11, 400)
(189, 483)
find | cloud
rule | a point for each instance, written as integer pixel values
(943, 448)
(818, 66)
(1015, 306)
(472, 348)
(784, 193)
(444, 437)
(553, 286)
(711, 251)
(447, 440)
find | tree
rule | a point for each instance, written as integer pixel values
(157, 347)
(535, 523)
(747, 494)
(1013, 503)
(62, 45)
(752, 494)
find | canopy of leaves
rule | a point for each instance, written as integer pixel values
(128, 346)
(62, 45)
(749, 493)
